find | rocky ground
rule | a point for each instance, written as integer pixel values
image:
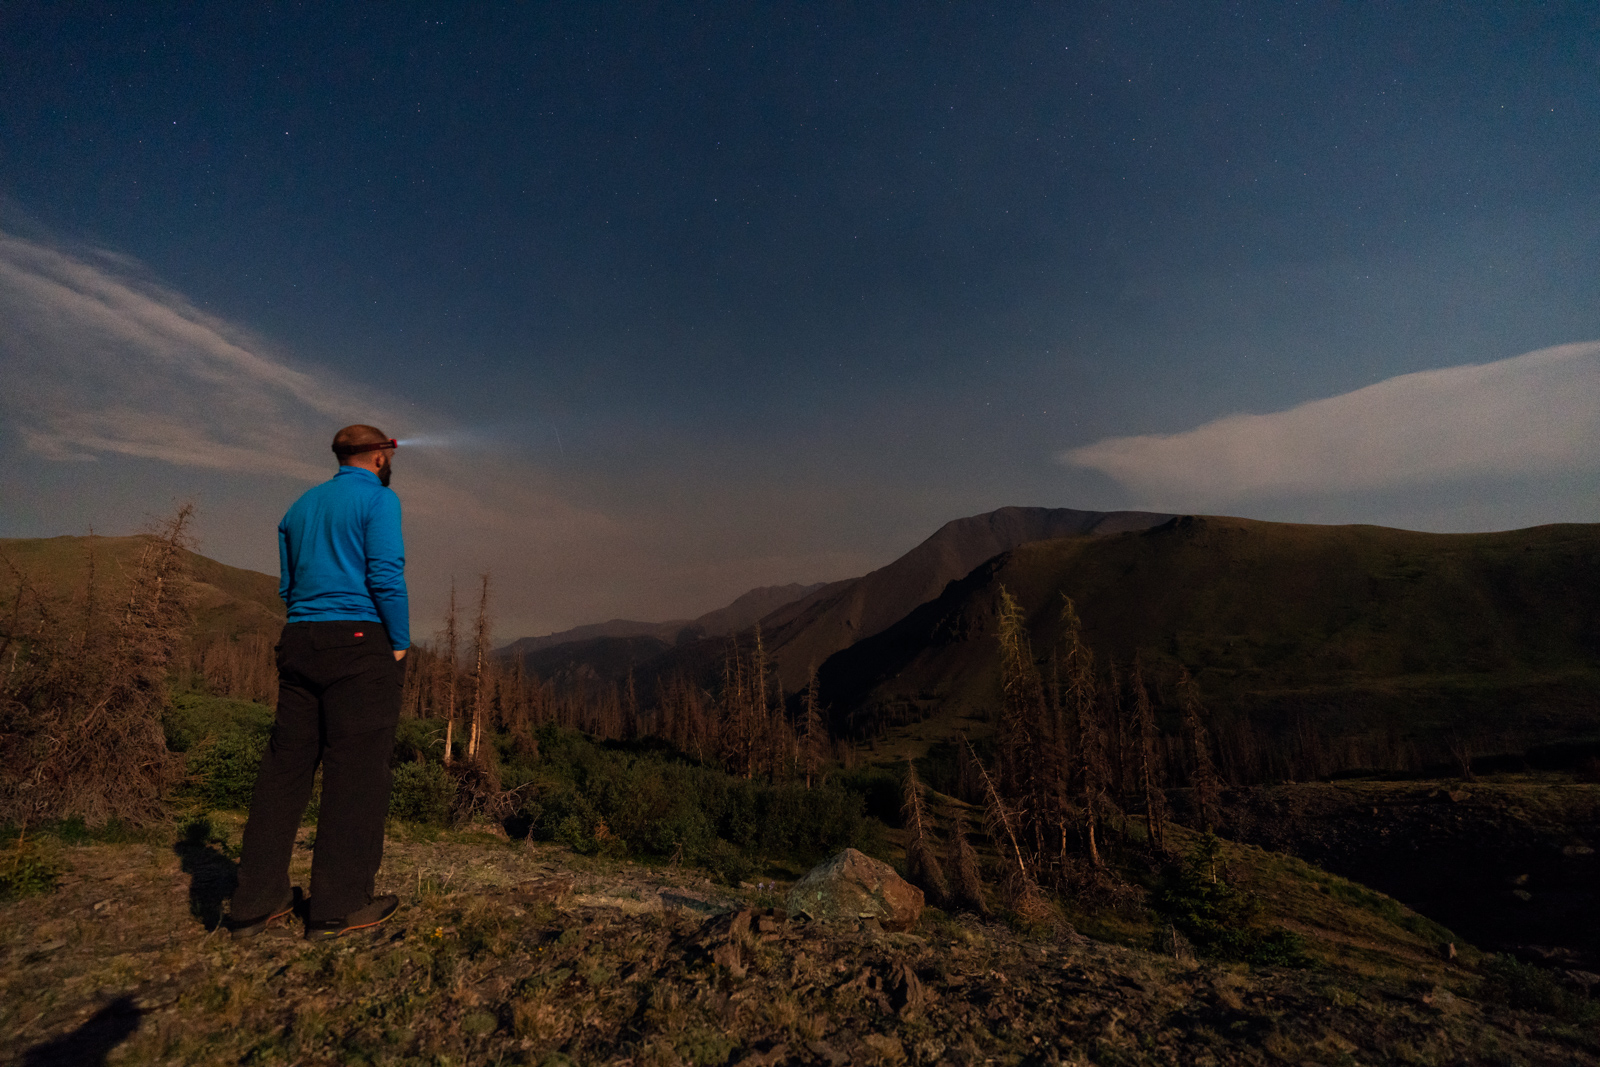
(515, 953)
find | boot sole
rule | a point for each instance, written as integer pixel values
(329, 935)
(250, 930)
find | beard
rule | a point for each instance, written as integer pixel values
(383, 475)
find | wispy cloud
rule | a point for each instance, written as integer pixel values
(101, 360)
(1537, 413)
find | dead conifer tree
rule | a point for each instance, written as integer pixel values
(1022, 700)
(966, 781)
(734, 728)
(771, 738)
(1083, 708)
(630, 709)
(482, 683)
(81, 729)
(1204, 781)
(967, 886)
(813, 733)
(1019, 887)
(922, 866)
(1119, 733)
(1149, 759)
(451, 641)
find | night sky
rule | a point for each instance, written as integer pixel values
(681, 299)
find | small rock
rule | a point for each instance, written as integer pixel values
(1585, 980)
(543, 890)
(728, 956)
(823, 1050)
(678, 898)
(910, 996)
(478, 1023)
(1577, 850)
(156, 999)
(776, 1054)
(1457, 796)
(51, 946)
(853, 886)
(729, 926)
(886, 1045)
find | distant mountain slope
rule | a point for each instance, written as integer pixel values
(229, 601)
(626, 643)
(615, 629)
(750, 608)
(1388, 630)
(595, 659)
(836, 616)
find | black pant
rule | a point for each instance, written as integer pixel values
(338, 705)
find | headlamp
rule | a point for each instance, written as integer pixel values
(351, 450)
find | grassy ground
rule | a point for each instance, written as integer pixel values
(655, 964)
(229, 601)
(1508, 860)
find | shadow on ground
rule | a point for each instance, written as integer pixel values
(92, 1042)
(213, 875)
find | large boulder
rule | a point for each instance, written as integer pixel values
(852, 886)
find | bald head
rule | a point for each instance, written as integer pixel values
(365, 447)
(348, 440)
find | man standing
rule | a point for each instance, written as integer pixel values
(340, 671)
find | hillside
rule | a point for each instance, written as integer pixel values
(801, 634)
(1386, 645)
(648, 638)
(836, 616)
(229, 601)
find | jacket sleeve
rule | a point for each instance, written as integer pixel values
(285, 575)
(386, 568)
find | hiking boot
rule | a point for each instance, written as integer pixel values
(240, 929)
(374, 912)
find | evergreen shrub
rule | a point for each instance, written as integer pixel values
(421, 793)
(1222, 921)
(222, 769)
(646, 799)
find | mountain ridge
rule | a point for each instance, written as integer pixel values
(744, 611)
(229, 601)
(804, 634)
(1398, 639)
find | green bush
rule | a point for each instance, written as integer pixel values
(26, 872)
(879, 790)
(223, 741)
(1532, 988)
(192, 718)
(223, 769)
(645, 799)
(419, 740)
(421, 792)
(726, 862)
(1221, 920)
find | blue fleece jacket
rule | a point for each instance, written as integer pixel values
(341, 555)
